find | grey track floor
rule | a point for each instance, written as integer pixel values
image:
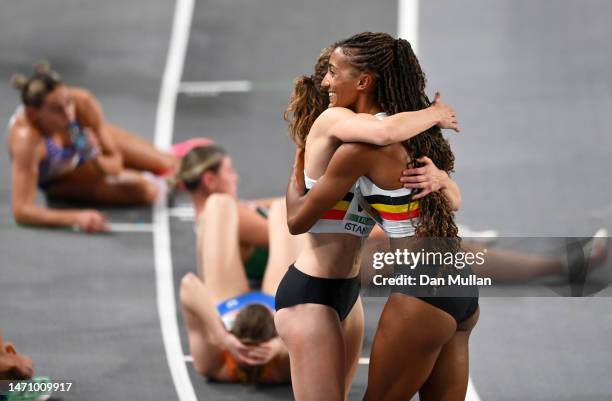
(532, 87)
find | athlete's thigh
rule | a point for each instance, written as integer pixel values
(353, 330)
(407, 342)
(218, 249)
(310, 331)
(449, 378)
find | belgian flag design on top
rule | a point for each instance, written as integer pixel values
(394, 208)
(338, 211)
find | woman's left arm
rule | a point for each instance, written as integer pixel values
(429, 178)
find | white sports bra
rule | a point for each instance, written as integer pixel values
(394, 210)
(345, 217)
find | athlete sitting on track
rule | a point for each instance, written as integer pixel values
(231, 329)
(206, 172)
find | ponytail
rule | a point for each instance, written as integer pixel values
(195, 163)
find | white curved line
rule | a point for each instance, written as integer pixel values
(164, 125)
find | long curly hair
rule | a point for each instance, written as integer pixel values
(308, 100)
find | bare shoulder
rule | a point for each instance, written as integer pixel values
(331, 116)
(89, 111)
(334, 114)
(85, 100)
(353, 158)
(23, 140)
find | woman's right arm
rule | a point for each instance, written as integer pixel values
(347, 126)
(25, 211)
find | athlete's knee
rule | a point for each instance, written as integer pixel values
(278, 208)
(220, 203)
(189, 284)
(169, 163)
(141, 190)
(150, 191)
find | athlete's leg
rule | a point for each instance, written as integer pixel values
(313, 336)
(408, 340)
(218, 251)
(353, 327)
(88, 184)
(139, 154)
(201, 317)
(284, 247)
(504, 265)
(449, 378)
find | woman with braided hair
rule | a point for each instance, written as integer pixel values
(319, 312)
(421, 342)
(59, 141)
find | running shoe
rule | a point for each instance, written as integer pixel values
(583, 257)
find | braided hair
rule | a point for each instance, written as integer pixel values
(35, 89)
(400, 86)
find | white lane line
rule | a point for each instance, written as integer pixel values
(164, 125)
(214, 88)
(471, 394)
(408, 28)
(188, 358)
(172, 74)
(408, 22)
(130, 227)
(364, 361)
(182, 212)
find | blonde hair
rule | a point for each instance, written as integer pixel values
(195, 163)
